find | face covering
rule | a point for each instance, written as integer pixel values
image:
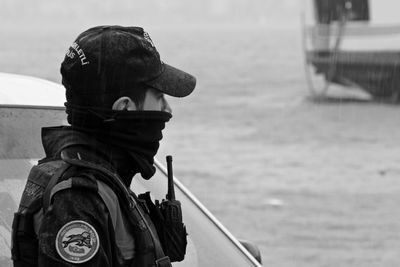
(136, 132)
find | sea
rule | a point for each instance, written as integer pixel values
(312, 181)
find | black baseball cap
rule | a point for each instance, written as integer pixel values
(105, 61)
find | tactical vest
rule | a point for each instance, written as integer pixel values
(48, 178)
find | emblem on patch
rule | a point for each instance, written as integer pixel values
(77, 242)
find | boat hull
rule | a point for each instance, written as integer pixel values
(378, 73)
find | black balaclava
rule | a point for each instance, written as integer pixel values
(138, 133)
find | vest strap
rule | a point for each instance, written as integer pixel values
(111, 201)
(53, 181)
(163, 262)
(60, 186)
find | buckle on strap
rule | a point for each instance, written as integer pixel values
(163, 262)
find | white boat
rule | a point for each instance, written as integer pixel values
(355, 44)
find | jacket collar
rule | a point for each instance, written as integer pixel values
(62, 142)
(56, 139)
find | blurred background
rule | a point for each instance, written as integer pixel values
(311, 183)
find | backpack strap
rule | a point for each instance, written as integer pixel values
(110, 199)
(53, 181)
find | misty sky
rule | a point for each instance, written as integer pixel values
(157, 12)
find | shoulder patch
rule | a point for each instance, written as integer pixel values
(77, 242)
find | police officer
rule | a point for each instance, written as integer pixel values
(77, 207)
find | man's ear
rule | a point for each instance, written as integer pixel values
(124, 103)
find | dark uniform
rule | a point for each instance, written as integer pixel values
(86, 222)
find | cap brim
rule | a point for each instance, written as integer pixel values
(174, 82)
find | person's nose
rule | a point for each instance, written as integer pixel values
(166, 106)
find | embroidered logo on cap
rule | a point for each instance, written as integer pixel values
(75, 49)
(77, 242)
